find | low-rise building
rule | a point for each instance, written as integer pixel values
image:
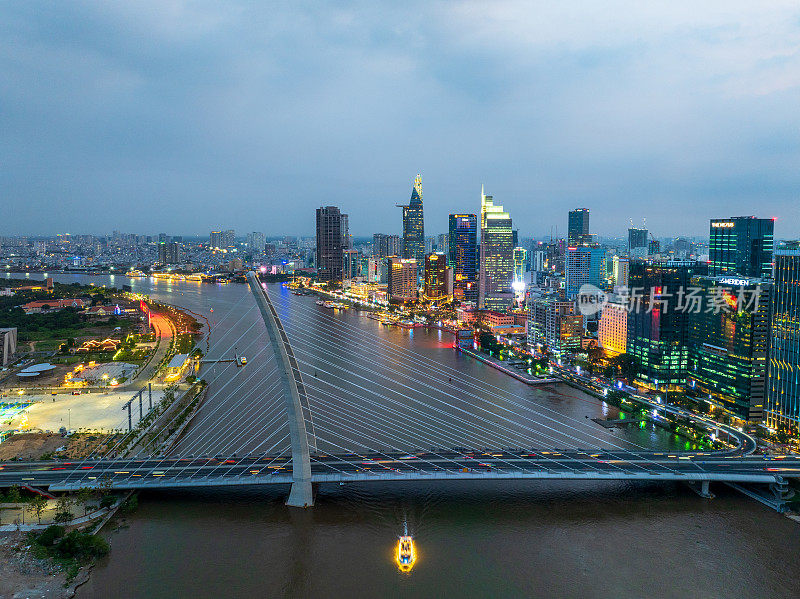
(492, 318)
(38, 306)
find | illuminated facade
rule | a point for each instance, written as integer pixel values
(657, 330)
(496, 273)
(402, 279)
(584, 265)
(783, 377)
(728, 349)
(553, 323)
(742, 246)
(414, 224)
(612, 330)
(620, 272)
(437, 277)
(463, 248)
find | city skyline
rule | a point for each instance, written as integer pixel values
(661, 110)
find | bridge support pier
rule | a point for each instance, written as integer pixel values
(302, 493)
(702, 488)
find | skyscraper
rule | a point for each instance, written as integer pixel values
(741, 245)
(657, 329)
(347, 243)
(519, 255)
(578, 227)
(437, 277)
(463, 256)
(783, 378)
(728, 348)
(414, 224)
(169, 252)
(620, 271)
(497, 260)
(330, 256)
(637, 242)
(584, 265)
(443, 243)
(386, 245)
(402, 279)
(255, 243)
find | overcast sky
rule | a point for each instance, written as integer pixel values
(186, 116)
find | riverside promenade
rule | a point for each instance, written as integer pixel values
(497, 364)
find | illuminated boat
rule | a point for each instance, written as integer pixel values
(134, 274)
(406, 552)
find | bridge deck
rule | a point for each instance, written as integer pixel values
(393, 466)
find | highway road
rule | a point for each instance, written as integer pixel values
(210, 471)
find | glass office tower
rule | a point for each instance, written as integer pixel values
(783, 376)
(741, 245)
(464, 256)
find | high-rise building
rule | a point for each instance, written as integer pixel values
(637, 242)
(402, 279)
(414, 224)
(584, 265)
(222, 239)
(620, 271)
(553, 323)
(578, 227)
(728, 344)
(351, 264)
(496, 273)
(741, 245)
(519, 255)
(782, 407)
(386, 245)
(255, 243)
(438, 277)
(443, 243)
(612, 330)
(463, 256)
(330, 256)
(169, 252)
(347, 242)
(657, 327)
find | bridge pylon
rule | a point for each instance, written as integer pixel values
(302, 494)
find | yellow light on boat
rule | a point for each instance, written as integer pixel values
(406, 555)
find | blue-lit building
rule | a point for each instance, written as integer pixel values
(584, 265)
(463, 254)
(783, 376)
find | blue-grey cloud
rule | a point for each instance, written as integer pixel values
(179, 117)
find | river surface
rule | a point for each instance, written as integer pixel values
(376, 387)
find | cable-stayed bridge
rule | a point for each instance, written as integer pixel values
(339, 404)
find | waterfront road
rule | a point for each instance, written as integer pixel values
(422, 465)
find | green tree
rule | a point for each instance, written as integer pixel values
(83, 496)
(63, 511)
(37, 506)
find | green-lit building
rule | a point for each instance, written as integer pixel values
(657, 327)
(783, 382)
(728, 342)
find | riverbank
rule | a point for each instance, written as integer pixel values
(523, 377)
